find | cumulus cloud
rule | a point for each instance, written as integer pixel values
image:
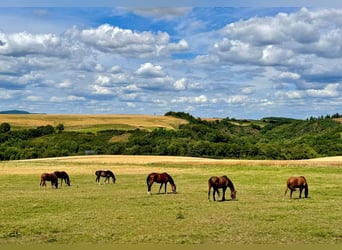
(150, 70)
(127, 42)
(280, 39)
(24, 43)
(328, 91)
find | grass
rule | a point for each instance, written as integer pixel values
(123, 212)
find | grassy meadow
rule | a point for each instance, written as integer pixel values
(124, 213)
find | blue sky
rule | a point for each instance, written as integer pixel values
(210, 60)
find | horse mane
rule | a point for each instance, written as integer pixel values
(67, 177)
(170, 179)
(230, 184)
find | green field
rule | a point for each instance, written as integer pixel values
(123, 212)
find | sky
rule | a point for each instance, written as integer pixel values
(237, 60)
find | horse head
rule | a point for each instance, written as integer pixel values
(233, 195)
(173, 188)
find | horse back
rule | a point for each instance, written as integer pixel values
(48, 177)
(159, 178)
(296, 182)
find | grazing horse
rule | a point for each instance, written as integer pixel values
(221, 182)
(107, 174)
(163, 178)
(48, 177)
(297, 182)
(63, 176)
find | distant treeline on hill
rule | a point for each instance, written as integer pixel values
(14, 112)
(268, 138)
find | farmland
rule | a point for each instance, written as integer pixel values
(91, 123)
(123, 212)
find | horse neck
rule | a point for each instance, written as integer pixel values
(231, 186)
(171, 181)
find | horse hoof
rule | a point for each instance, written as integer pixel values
(149, 193)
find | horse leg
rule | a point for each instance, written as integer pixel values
(161, 185)
(300, 192)
(224, 194)
(149, 185)
(97, 179)
(291, 191)
(165, 186)
(214, 191)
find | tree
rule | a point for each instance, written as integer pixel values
(59, 128)
(5, 127)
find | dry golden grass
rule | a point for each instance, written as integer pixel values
(124, 163)
(77, 121)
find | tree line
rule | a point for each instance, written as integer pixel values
(269, 138)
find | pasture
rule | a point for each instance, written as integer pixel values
(124, 213)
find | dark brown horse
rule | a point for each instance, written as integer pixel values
(221, 182)
(297, 182)
(48, 177)
(162, 178)
(63, 176)
(107, 174)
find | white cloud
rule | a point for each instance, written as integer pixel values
(34, 98)
(150, 70)
(180, 84)
(237, 99)
(127, 42)
(193, 99)
(101, 90)
(330, 90)
(24, 43)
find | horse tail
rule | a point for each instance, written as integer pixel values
(306, 187)
(148, 180)
(209, 188)
(286, 190)
(149, 184)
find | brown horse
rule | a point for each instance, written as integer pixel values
(48, 177)
(297, 182)
(162, 178)
(63, 176)
(105, 173)
(221, 182)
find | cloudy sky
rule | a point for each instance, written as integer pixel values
(209, 61)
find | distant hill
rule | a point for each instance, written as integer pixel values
(16, 112)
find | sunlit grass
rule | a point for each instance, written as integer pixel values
(123, 212)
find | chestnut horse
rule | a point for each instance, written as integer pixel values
(297, 182)
(63, 176)
(104, 173)
(221, 182)
(48, 177)
(162, 178)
